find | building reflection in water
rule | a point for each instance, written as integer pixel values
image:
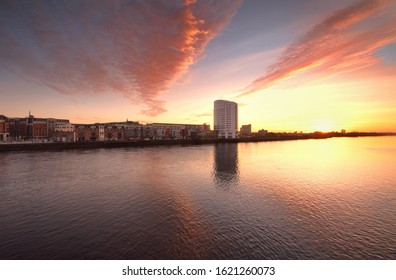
(225, 167)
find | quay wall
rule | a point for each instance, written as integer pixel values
(4, 147)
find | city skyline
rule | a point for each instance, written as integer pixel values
(307, 66)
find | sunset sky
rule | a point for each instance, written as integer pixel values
(290, 65)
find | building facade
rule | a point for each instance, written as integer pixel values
(37, 128)
(262, 132)
(246, 130)
(98, 132)
(4, 128)
(87, 132)
(14, 128)
(60, 130)
(29, 128)
(127, 131)
(41, 129)
(179, 131)
(226, 119)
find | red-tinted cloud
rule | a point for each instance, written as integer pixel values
(133, 48)
(333, 46)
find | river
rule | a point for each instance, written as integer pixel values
(306, 199)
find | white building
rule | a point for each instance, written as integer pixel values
(226, 119)
(64, 127)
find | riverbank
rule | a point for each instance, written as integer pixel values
(22, 146)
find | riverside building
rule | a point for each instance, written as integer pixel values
(226, 119)
(29, 128)
(40, 129)
(4, 128)
(61, 130)
(179, 131)
(246, 130)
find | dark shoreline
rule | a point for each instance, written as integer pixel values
(180, 142)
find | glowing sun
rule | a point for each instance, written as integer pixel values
(323, 125)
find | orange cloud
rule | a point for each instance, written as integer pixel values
(133, 48)
(332, 46)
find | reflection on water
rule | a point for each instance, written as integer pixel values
(225, 165)
(310, 199)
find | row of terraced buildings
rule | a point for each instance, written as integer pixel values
(61, 130)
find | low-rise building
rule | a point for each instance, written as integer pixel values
(246, 130)
(133, 132)
(28, 128)
(60, 130)
(114, 132)
(15, 129)
(86, 132)
(41, 129)
(262, 132)
(103, 132)
(4, 128)
(178, 131)
(64, 132)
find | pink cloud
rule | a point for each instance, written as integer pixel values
(136, 49)
(333, 46)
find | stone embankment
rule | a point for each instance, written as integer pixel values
(23, 146)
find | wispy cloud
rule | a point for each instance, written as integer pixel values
(133, 48)
(333, 46)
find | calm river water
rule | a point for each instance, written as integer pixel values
(307, 199)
